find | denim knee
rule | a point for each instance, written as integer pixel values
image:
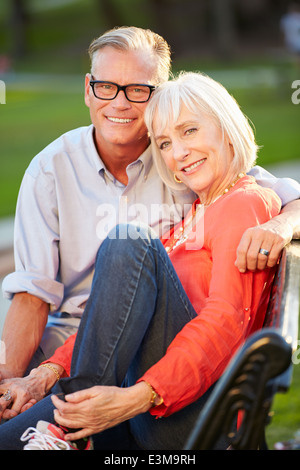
(131, 234)
(133, 231)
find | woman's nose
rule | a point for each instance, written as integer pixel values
(180, 151)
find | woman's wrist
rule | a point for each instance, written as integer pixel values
(156, 399)
(152, 398)
(49, 373)
(53, 369)
(139, 397)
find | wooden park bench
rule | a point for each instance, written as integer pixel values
(261, 368)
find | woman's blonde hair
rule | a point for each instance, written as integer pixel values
(131, 38)
(201, 94)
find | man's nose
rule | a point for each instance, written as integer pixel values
(121, 101)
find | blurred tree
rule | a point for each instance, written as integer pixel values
(192, 24)
(223, 26)
(191, 27)
(20, 23)
(182, 24)
(111, 12)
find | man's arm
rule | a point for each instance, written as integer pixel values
(22, 332)
(272, 236)
(290, 215)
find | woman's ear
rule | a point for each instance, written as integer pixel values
(231, 149)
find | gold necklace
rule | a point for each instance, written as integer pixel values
(186, 228)
(239, 176)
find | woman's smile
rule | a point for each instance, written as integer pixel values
(193, 166)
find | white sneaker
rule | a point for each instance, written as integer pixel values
(45, 436)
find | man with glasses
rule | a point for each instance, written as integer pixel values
(87, 181)
(136, 93)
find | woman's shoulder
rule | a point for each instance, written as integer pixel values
(247, 190)
(248, 196)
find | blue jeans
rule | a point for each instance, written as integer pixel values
(136, 307)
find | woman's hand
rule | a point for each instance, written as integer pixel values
(271, 236)
(101, 407)
(26, 391)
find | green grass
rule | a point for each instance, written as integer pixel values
(286, 414)
(276, 121)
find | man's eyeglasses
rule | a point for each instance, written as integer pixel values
(135, 92)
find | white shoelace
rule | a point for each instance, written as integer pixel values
(41, 441)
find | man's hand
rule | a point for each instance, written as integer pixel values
(271, 236)
(26, 391)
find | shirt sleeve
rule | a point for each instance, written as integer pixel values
(63, 354)
(36, 241)
(200, 352)
(286, 188)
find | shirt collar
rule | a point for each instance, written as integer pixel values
(145, 159)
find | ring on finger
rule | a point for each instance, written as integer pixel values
(7, 395)
(264, 252)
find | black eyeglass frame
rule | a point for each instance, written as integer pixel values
(120, 88)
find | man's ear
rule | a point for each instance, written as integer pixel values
(87, 89)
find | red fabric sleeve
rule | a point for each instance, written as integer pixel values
(63, 354)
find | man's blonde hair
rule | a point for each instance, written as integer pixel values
(132, 39)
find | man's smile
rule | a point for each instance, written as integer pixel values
(119, 120)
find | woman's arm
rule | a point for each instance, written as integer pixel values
(63, 355)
